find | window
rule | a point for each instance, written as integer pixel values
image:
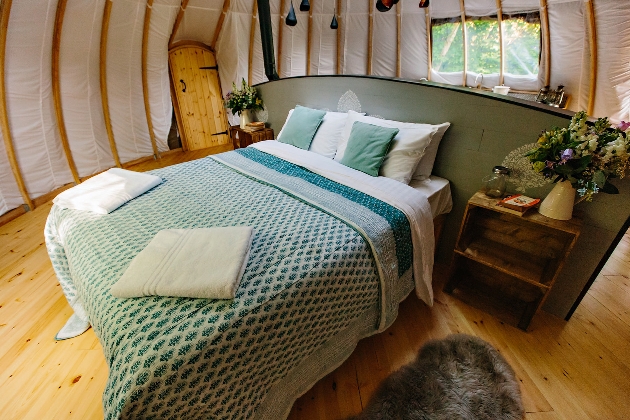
(521, 41)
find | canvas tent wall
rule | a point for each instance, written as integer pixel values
(94, 64)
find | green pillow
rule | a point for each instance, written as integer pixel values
(301, 127)
(367, 146)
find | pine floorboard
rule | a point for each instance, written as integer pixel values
(567, 370)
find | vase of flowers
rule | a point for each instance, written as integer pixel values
(583, 157)
(243, 101)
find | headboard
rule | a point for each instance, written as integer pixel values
(485, 128)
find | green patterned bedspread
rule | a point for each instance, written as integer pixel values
(325, 258)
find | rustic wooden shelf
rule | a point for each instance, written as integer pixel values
(525, 252)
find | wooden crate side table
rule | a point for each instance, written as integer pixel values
(243, 138)
(519, 255)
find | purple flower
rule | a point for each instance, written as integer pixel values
(566, 155)
(623, 126)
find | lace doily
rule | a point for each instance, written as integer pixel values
(522, 175)
(349, 101)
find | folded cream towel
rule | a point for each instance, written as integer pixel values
(107, 191)
(197, 263)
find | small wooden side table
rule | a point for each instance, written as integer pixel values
(243, 138)
(520, 256)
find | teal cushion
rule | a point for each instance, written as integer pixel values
(300, 129)
(367, 147)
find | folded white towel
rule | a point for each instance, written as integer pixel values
(198, 263)
(107, 191)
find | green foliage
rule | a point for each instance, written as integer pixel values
(244, 98)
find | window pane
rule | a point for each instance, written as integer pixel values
(447, 45)
(484, 54)
(521, 34)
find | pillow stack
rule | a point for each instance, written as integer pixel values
(397, 150)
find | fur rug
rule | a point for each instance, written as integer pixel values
(460, 377)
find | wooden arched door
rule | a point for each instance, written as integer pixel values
(197, 97)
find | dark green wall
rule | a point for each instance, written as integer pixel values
(484, 128)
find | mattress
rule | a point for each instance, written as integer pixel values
(329, 264)
(438, 192)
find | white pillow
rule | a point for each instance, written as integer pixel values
(328, 134)
(407, 148)
(425, 166)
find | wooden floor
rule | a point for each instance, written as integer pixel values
(574, 370)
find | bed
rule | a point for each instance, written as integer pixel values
(334, 253)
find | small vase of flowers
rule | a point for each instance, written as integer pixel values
(242, 101)
(583, 157)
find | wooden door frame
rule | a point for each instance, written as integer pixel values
(178, 116)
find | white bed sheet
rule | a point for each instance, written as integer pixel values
(438, 192)
(413, 203)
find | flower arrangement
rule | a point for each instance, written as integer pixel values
(587, 155)
(244, 98)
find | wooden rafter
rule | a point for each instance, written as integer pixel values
(56, 88)
(462, 9)
(340, 32)
(5, 12)
(252, 34)
(103, 77)
(178, 21)
(427, 16)
(544, 20)
(309, 39)
(592, 43)
(501, 46)
(398, 37)
(217, 30)
(370, 35)
(145, 76)
(280, 30)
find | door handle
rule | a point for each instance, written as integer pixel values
(184, 83)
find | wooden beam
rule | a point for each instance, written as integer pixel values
(462, 9)
(4, 114)
(592, 43)
(145, 76)
(217, 30)
(103, 69)
(501, 46)
(340, 29)
(252, 34)
(178, 21)
(427, 16)
(370, 35)
(398, 36)
(56, 88)
(546, 40)
(309, 39)
(280, 30)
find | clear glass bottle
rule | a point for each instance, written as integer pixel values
(494, 185)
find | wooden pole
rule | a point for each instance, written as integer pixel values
(103, 68)
(145, 76)
(544, 21)
(4, 114)
(501, 46)
(592, 43)
(370, 34)
(398, 36)
(56, 89)
(462, 9)
(217, 30)
(252, 32)
(280, 30)
(178, 21)
(309, 39)
(427, 16)
(340, 29)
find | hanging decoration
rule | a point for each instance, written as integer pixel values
(385, 5)
(423, 4)
(305, 6)
(291, 20)
(334, 24)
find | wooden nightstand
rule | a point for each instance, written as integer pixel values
(243, 138)
(518, 256)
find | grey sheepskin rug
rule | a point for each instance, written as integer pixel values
(460, 377)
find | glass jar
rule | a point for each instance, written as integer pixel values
(494, 185)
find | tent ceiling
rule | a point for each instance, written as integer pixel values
(387, 44)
